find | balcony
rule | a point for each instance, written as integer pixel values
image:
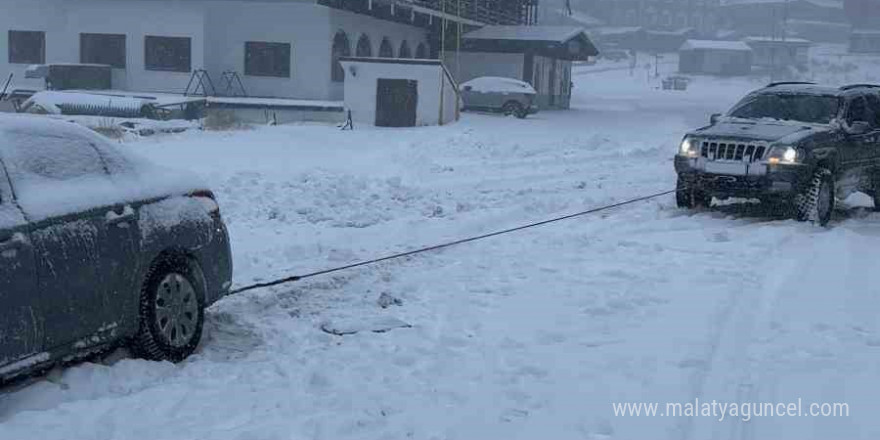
(424, 12)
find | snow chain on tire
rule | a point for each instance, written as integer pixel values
(807, 202)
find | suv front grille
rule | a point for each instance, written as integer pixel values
(732, 150)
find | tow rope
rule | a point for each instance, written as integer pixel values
(294, 278)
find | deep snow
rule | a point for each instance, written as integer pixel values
(528, 336)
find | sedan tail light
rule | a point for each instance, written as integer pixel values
(207, 198)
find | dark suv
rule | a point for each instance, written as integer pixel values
(796, 145)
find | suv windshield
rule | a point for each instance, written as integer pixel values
(818, 109)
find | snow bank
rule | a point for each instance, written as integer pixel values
(55, 103)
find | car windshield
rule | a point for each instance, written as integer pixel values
(817, 109)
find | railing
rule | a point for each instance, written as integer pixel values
(503, 12)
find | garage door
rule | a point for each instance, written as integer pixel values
(396, 102)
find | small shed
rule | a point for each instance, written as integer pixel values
(713, 57)
(776, 52)
(539, 55)
(388, 92)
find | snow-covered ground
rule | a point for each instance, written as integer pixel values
(532, 335)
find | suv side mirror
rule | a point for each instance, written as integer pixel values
(714, 118)
(858, 127)
(468, 88)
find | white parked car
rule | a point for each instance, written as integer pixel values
(502, 95)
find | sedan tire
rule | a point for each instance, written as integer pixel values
(172, 311)
(514, 108)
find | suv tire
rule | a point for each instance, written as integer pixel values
(816, 202)
(172, 311)
(689, 197)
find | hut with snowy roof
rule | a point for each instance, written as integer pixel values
(714, 57)
(539, 55)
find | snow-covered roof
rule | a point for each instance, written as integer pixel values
(792, 41)
(559, 34)
(832, 4)
(715, 45)
(617, 30)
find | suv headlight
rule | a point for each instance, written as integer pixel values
(784, 154)
(689, 147)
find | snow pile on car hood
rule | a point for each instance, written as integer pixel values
(37, 153)
(489, 84)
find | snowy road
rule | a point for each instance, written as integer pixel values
(525, 336)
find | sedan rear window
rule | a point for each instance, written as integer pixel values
(31, 157)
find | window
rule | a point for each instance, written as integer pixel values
(267, 59)
(172, 54)
(102, 49)
(385, 50)
(341, 48)
(422, 51)
(27, 47)
(364, 47)
(858, 111)
(808, 108)
(404, 51)
(874, 107)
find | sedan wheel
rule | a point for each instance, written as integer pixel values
(171, 312)
(176, 310)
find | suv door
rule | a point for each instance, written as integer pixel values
(857, 152)
(873, 138)
(83, 238)
(21, 321)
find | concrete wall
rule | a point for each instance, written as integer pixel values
(304, 26)
(437, 104)
(64, 20)
(552, 80)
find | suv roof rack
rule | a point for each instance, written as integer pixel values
(859, 86)
(790, 83)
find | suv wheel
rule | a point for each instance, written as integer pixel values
(816, 202)
(686, 196)
(514, 108)
(172, 311)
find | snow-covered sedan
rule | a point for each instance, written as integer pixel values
(502, 95)
(99, 247)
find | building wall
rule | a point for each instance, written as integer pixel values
(304, 26)
(715, 62)
(219, 30)
(437, 101)
(551, 78)
(64, 20)
(701, 15)
(355, 25)
(466, 66)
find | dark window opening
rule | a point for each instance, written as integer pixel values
(27, 47)
(874, 105)
(858, 111)
(102, 49)
(385, 49)
(404, 51)
(341, 48)
(364, 47)
(267, 59)
(422, 51)
(171, 54)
